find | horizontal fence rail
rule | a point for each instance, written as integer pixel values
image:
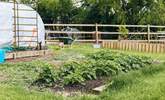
(150, 35)
(104, 25)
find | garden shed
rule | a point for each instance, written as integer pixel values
(20, 25)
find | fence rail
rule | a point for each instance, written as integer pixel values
(97, 33)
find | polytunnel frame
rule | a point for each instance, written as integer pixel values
(16, 24)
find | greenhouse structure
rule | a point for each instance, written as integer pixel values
(20, 25)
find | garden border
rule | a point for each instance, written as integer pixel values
(25, 54)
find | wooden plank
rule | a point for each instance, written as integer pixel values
(69, 32)
(92, 25)
(150, 47)
(104, 25)
(141, 47)
(24, 54)
(162, 47)
(130, 46)
(102, 44)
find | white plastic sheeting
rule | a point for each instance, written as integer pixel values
(7, 27)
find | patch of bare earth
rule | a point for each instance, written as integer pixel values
(77, 89)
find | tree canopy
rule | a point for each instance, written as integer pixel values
(102, 11)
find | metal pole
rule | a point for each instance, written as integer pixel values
(37, 22)
(15, 23)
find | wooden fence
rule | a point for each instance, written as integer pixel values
(135, 46)
(97, 32)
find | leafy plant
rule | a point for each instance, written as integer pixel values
(100, 64)
(127, 62)
(124, 32)
(45, 78)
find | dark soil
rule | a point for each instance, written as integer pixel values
(87, 88)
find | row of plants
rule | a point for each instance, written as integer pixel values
(96, 65)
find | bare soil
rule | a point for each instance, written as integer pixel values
(71, 90)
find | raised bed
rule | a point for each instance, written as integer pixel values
(25, 54)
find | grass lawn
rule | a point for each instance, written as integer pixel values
(88, 48)
(144, 84)
(10, 92)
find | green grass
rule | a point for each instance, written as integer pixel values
(144, 84)
(156, 56)
(9, 92)
(84, 49)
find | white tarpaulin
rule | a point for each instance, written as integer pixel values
(7, 27)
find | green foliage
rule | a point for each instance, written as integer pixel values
(99, 64)
(127, 62)
(104, 55)
(124, 32)
(75, 72)
(106, 68)
(101, 11)
(45, 77)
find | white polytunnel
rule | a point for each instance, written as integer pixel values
(7, 25)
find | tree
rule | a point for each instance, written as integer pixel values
(104, 11)
(101, 11)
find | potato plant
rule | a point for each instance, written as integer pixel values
(96, 65)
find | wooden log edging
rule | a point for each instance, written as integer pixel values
(135, 46)
(25, 54)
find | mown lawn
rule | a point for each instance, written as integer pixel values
(83, 49)
(144, 84)
(10, 92)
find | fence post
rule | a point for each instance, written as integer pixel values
(97, 35)
(148, 32)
